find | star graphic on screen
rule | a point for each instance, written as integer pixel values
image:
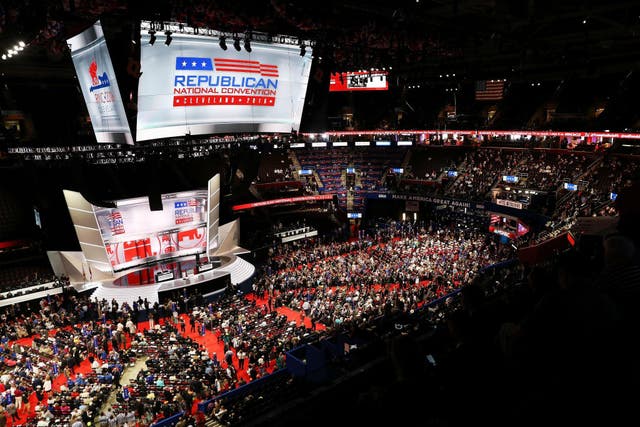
(204, 64)
(184, 63)
(193, 64)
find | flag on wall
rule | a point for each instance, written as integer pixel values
(489, 90)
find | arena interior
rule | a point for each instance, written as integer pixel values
(279, 213)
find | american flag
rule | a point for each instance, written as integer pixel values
(489, 90)
(245, 66)
(495, 219)
(193, 63)
(116, 222)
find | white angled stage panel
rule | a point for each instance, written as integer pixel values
(230, 239)
(213, 216)
(88, 232)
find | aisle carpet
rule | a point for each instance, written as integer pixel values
(210, 340)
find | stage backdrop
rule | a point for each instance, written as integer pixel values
(134, 234)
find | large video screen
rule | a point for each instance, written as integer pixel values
(99, 87)
(133, 234)
(194, 87)
(358, 81)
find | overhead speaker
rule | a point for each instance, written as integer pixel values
(155, 202)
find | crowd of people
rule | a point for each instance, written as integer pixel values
(520, 345)
(479, 175)
(335, 283)
(520, 358)
(481, 170)
(42, 352)
(327, 287)
(37, 280)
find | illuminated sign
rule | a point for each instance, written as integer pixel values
(426, 133)
(509, 203)
(452, 174)
(185, 211)
(99, 87)
(569, 186)
(358, 81)
(193, 87)
(510, 178)
(206, 89)
(284, 200)
(354, 215)
(134, 219)
(116, 224)
(133, 234)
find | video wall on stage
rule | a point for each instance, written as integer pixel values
(133, 234)
(193, 86)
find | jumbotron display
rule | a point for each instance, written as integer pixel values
(133, 234)
(194, 87)
(359, 81)
(99, 86)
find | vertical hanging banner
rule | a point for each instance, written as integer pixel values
(99, 87)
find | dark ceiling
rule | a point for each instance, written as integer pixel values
(516, 39)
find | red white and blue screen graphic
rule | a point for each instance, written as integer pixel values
(134, 234)
(193, 87)
(359, 81)
(234, 88)
(99, 87)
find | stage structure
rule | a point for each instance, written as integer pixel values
(127, 246)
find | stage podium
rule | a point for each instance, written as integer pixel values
(207, 264)
(163, 276)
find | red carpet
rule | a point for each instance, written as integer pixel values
(27, 412)
(210, 341)
(292, 315)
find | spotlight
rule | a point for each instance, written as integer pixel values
(236, 43)
(152, 37)
(21, 43)
(303, 49)
(168, 40)
(4, 56)
(223, 42)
